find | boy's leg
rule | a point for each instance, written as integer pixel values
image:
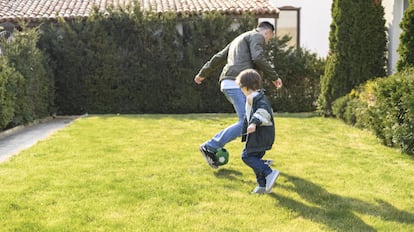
(254, 161)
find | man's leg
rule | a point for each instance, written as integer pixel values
(238, 100)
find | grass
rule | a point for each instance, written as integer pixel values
(145, 173)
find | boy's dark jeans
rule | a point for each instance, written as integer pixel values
(254, 160)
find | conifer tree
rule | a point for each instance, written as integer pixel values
(406, 47)
(357, 48)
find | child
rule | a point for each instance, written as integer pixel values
(258, 130)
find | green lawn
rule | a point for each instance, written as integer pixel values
(145, 173)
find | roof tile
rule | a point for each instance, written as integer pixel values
(32, 10)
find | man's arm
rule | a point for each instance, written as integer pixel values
(217, 61)
(257, 52)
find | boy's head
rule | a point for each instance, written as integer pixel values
(249, 79)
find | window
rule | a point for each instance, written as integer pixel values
(288, 23)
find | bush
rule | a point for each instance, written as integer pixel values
(28, 76)
(406, 46)
(384, 105)
(357, 43)
(100, 68)
(393, 112)
(300, 71)
(10, 85)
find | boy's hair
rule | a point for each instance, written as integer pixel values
(250, 79)
(266, 25)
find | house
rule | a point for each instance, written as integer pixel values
(35, 11)
(313, 32)
(394, 12)
(308, 22)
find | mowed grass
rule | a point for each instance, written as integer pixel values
(145, 173)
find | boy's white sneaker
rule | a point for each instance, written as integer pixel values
(259, 190)
(268, 162)
(270, 180)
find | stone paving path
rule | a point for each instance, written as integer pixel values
(15, 140)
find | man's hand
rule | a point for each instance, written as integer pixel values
(278, 83)
(198, 79)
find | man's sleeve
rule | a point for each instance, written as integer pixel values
(257, 52)
(217, 61)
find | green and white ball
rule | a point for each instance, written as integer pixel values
(222, 156)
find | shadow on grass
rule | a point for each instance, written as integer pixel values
(335, 211)
(228, 174)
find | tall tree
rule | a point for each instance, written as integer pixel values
(406, 47)
(357, 43)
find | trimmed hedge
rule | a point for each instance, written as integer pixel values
(135, 62)
(26, 84)
(10, 83)
(385, 106)
(130, 63)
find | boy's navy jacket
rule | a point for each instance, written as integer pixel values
(261, 115)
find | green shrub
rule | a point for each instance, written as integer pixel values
(10, 85)
(27, 80)
(133, 63)
(385, 106)
(394, 110)
(35, 98)
(300, 71)
(406, 46)
(357, 43)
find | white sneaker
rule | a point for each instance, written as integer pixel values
(259, 190)
(270, 180)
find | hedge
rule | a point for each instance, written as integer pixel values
(26, 88)
(385, 106)
(134, 62)
(128, 63)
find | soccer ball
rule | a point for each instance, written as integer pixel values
(222, 156)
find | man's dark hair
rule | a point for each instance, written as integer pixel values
(266, 25)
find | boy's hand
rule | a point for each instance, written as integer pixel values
(251, 128)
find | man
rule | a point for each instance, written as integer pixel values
(247, 51)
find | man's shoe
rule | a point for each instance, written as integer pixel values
(209, 156)
(268, 162)
(259, 190)
(270, 179)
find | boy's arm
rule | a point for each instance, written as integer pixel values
(261, 118)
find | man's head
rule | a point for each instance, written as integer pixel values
(267, 30)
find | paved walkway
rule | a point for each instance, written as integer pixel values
(15, 140)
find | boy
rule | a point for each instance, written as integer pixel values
(258, 130)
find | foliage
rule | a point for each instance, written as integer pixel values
(300, 71)
(10, 86)
(406, 46)
(129, 61)
(33, 95)
(136, 62)
(357, 49)
(384, 105)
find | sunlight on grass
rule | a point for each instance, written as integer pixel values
(145, 173)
